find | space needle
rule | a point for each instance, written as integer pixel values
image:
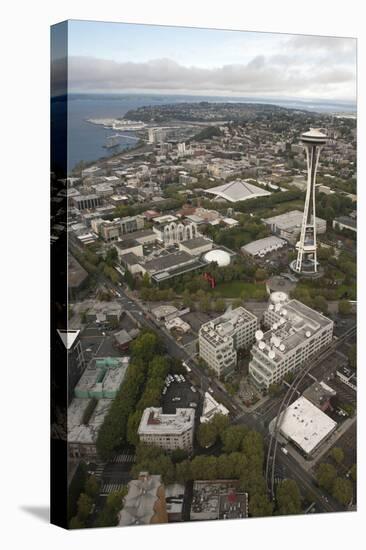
(306, 262)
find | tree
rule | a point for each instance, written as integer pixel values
(204, 467)
(232, 438)
(260, 274)
(353, 472)
(320, 303)
(344, 307)
(288, 498)
(225, 469)
(183, 471)
(221, 422)
(92, 487)
(132, 427)
(274, 389)
(207, 434)
(108, 517)
(111, 256)
(342, 490)
(337, 454)
(219, 305)
(326, 475)
(84, 506)
(178, 455)
(259, 506)
(76, 523)
(145, 346)
(352, 356)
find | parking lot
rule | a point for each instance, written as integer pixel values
(179, 395)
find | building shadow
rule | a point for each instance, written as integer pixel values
(40, 512)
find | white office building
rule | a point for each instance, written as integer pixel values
(167, 431)
(306, 426)
(220, 339)
(296, 332)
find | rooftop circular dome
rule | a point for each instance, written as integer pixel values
(278, 297)
(221, 257)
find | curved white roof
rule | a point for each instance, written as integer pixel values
(278, 297)
(221, 257)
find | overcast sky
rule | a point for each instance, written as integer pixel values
(117, 57)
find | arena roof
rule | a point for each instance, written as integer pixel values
(237, 190)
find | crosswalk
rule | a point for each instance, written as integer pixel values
(99, 470)
(108, 488)
(123, 458)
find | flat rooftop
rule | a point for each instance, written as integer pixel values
(306, 425)
(346, 220)
(289, 221)
(211, 407)
(75, 272)
(294, 323)
(263, 245)
(319, 393)
(196, 243)
(143, 233)
(168, 261)
(102, 378)
(223, 327)
(81, 433)
(154, 422)
(218, 499)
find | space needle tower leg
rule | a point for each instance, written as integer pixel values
(307, 245)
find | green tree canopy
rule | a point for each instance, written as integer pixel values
(85, 504)
(92, 487)
(260, 506)
(288, 498)
(326, 475)
(342, 490)
(232, 438)
(344, 307)
(337, 454)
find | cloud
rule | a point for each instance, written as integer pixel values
(328, 73)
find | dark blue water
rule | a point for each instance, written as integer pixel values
(86, 140)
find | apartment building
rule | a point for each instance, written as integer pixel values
(296, 333)
(220, 339)
(167, 431)
(112, 230)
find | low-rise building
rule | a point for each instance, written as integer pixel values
(167, 431)
(306, 426)
(197, 246)
(129, 246)
(81, 437)
(288, 225)
(345, 222)
(348, 377)
(261, 247)
(211, 407)
(102, 378)
(218, 499)
(145, 502)
(320, 395)
(296, 333)
(220, 339)
(84, 202)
